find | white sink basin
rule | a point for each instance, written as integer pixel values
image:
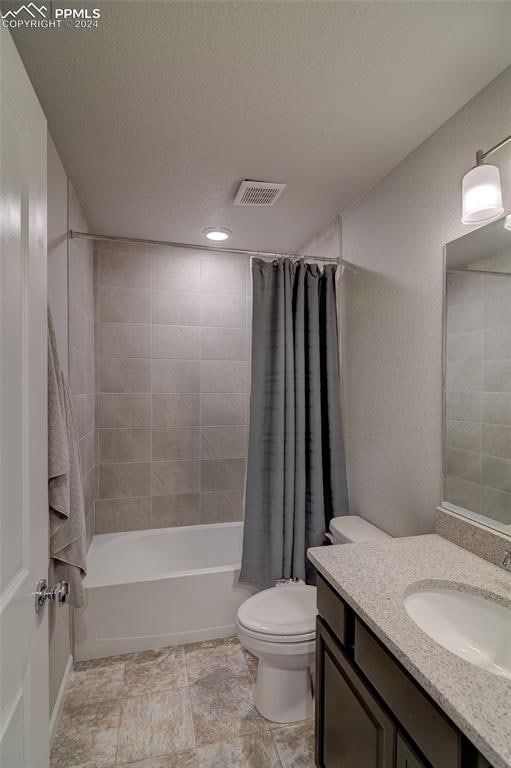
(473, 627)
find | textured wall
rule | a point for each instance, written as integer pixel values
(392, 336)
(82, 362)
(478, 409)
(173, 335)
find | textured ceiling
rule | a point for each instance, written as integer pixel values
(160, 112)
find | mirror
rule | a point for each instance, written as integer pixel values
(477, 376)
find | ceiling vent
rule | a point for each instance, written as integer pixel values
(258, 192)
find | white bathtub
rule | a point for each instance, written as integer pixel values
(149, 589)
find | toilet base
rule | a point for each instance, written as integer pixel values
(283, 695)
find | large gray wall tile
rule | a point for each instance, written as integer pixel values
(175, 376)
(175, 443)
(464, 288)
(465, 317)
(221, 376)
(465, 435)
(114, 515)
(125, 266)
(464, 464)
(124, 410)
(125, 375)
(496, 472)
(120, 480)
(176, 410)
(124, 340)
(497, 408)
(222, 311)
(497, 375)
(176, 341)
(174, 477)
(496, 504)
(221, 506)
(463, 493)
(464, 346)
(497, 440)
(228, 410)
(464, 406)
(465, 377)
(84, 413)
(224, 274)
(497, 301)
(497, 343)
(222, 344)
(127, 444)
(87, 446)
(175, 510)
(224, 442)
(175, 269)
(226, 474)
(124, 305)
(175, 308)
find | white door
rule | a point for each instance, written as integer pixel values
(23, 417)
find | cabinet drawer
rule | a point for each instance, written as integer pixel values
(436, 737)
(332, 609)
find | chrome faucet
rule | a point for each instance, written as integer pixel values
(507, 561)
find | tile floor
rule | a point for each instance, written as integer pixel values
(188, 706)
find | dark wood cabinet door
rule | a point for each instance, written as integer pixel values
(406, 757)
(353, 731)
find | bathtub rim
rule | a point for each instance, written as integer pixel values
(142, 533)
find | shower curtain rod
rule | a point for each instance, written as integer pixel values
(215, 248)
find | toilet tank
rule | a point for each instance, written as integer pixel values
(351, 528)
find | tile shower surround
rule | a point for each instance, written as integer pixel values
(478, 403)
(82, 362)
(173, 342)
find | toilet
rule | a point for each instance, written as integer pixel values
(278, 626)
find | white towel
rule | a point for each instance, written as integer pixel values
(68, 537)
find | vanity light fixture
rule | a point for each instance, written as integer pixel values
(217, 233)
(481, 190)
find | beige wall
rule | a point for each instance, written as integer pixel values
(392, 336)
(173, 334)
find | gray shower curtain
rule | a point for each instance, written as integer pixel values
(296, 479)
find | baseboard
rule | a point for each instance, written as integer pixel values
(55, 715)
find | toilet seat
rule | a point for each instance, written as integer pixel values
(274, 638)
(286, 613)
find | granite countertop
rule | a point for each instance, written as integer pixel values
(374, 577)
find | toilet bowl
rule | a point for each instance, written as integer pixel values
(278, 626)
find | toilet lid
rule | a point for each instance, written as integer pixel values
(284, 610)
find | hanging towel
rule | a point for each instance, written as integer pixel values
(68, 538)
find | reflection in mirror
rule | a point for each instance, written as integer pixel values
(477, 376)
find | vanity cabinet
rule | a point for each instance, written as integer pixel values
(370, 713)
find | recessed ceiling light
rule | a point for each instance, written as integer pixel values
(217, 233)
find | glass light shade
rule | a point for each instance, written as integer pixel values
(482, 195)
(217, 233)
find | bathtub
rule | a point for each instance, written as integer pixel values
(150, 589)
